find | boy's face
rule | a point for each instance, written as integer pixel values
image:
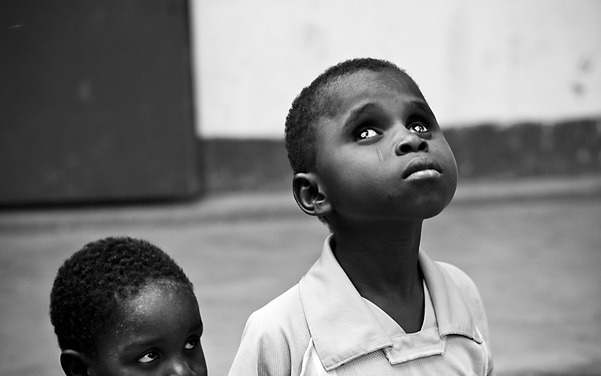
(381, 155)
(156, 333)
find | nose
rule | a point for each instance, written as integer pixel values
(410, 143)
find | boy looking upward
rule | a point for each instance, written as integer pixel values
(121, 306)
(370, 160)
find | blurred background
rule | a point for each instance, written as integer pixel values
(163, 119)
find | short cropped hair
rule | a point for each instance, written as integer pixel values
(312, 104)
(92, 283)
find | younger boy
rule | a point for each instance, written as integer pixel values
(370, 160)
(121, 306)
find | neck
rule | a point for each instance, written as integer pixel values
(379, 261)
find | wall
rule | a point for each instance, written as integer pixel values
(476, 61)
(516, 85)
(98, 103)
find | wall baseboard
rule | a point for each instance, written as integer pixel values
(484, 151)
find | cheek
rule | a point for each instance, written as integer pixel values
(339, 175)
(201, 365)
(353, 188)
(105, 367)
(445, 153)
(452, 165)
(450, 171)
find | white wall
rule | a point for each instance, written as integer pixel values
(475, 60)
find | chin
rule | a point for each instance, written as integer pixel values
(434, 206)
(432, 213)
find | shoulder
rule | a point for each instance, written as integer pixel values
(280, 313)
(469, 292)
(274, 338)
(459, 277)
(464, 283)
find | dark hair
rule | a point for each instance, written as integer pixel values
(91, 284)
(311, 104)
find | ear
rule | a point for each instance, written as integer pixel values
(309, 194)
(75, 363)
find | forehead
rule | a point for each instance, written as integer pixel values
(161, 315)
(346, 91)
(152, 308)
(157, 297)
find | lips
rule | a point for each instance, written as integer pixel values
(421, 164)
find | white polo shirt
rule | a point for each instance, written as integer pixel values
(322, 326)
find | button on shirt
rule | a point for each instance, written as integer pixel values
(322, 326)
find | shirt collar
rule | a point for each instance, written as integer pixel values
(453, 315)
(342, 325)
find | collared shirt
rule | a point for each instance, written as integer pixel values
(322, 326)
(410, 346)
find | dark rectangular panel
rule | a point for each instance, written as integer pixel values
(97, 102)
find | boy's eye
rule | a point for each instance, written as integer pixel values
(366, 134)
(149, 357)
(419, 127)
(192, 344)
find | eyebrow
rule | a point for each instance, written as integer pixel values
(200, 326)
(356, 113)
(147, 342)
(423, 106)
(137, 344)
